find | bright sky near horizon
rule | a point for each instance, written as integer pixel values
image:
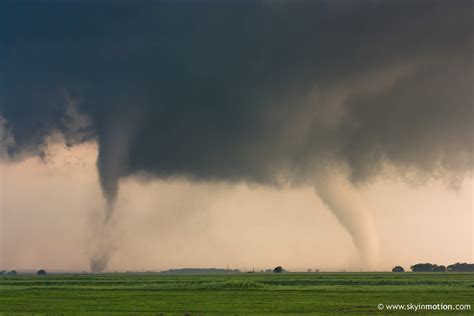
(49, 211)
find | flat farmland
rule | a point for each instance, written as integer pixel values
(235, 294)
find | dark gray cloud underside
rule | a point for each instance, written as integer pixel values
(243, 90)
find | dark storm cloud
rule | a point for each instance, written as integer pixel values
(243, 90)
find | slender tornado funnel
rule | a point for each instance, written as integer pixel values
(340, 196)
(113, 153)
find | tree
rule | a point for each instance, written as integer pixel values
(41, 272)
(12, 272)
(398, 269)
(422, 267)
(461, 267)
(437, 268)
(278, 269)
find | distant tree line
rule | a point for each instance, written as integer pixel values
(200, 270)
(12, 272)
(461, 267)
(428, 267)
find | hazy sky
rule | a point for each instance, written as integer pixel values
(320, 133)
(50, 210)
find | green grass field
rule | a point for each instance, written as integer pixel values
(237, 294)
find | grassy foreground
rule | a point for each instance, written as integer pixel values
(237, 294)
